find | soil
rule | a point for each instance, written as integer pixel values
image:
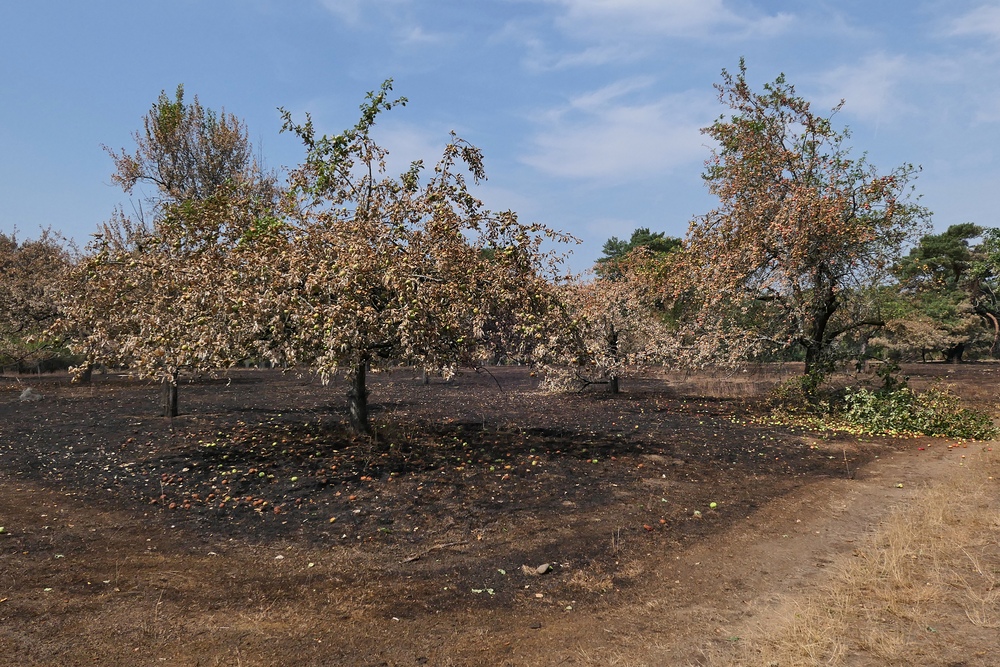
(485, 523)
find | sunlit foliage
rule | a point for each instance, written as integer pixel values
(802, 232)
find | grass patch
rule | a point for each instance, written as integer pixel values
(924, 588)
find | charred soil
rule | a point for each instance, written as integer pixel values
(485, 522)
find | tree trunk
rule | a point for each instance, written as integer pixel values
(86, 376)
(954, 354)
(425, 378)
(812, 359)
(357, 401)
(612, 340)
(862, 356)
(170, 396)
(816, 340)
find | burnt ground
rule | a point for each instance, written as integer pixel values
(255, 530)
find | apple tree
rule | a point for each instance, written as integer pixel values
(382, 270)
(617, 319)
(31, 273)
(161, 294)
(802, 233)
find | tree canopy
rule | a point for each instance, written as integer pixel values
(162, 293)
(31, 274)
(946, 294)
(409, 269)
(802, 233)
(187, 152)
(615, 250)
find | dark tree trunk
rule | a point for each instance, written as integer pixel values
(357, 401)
(954, 355)
(812, 359)
(613, 353)
(425, 378)
(86, 377)
(170, 396)
(817, 339)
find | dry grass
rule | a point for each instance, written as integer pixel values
(757, 383)
(592, 582)
(923, 589)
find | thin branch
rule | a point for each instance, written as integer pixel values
(480, 369)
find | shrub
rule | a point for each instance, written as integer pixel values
(803, 395)
(882, 412)
(936, 411)
(891, 408)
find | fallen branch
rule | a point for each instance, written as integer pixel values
(483, 369)
(423, 553)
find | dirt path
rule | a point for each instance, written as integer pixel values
(699, 599)
(739, 581)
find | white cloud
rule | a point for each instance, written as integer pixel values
(603, 32)
(407, 143)
(930, 89)
(983, 21)
(869, 87)
(600, 136)
(601, 98)
(352, 11)
(540, 57)
(679, 18)
(416, 35)
(591, 57)
(348, 10)
(965, 86)
(396, 16)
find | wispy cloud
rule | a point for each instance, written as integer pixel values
(395, 18)
(355, 11)
(416, 35)
(620, 32)
(348, 10)
(870, 87)
(600, 99)
(982, 21)
(590, 57)
(542, 53)
(940, 89)
(679, 18)
(603, 135)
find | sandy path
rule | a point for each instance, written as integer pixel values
(704, 597)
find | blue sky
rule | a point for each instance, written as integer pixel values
(588, 111)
